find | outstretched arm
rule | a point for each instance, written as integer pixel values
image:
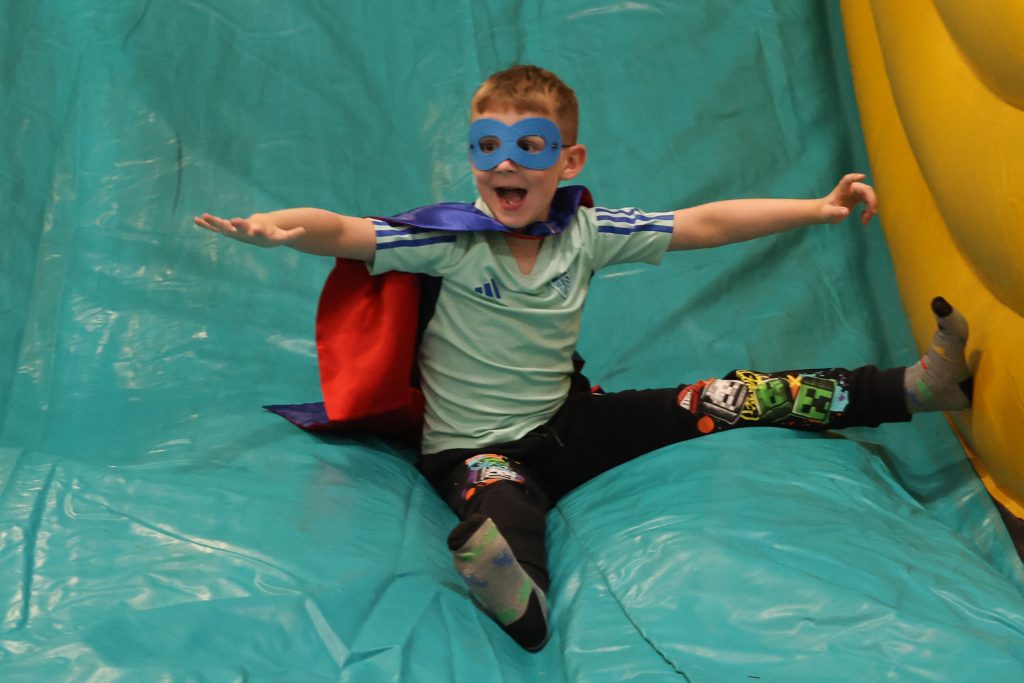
(313, 231)
(738, 220)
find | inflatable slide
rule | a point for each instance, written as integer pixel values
(157, 525)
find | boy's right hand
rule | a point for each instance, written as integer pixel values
(259, 233)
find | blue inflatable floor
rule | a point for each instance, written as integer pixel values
(156, 525)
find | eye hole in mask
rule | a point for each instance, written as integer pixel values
(533, 143)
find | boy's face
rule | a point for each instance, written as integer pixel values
(519, 196)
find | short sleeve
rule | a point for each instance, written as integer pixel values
(413, 250)
(630, 236)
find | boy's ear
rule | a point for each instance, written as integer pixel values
(575, 158)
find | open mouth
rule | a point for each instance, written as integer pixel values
(511, 198)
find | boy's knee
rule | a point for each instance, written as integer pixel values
(488, 469)
(490, 480)
(715, 404)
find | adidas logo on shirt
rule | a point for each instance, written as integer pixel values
(562, 284)
(489, 289)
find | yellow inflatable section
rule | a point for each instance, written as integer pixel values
(940, 87)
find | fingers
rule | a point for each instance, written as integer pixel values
(238, 228)
(852, 191)
(215, 224)
(862, 193)
(849, 179)
(870, 203)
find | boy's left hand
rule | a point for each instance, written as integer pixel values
(840, 202)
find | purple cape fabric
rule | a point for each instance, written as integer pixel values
(467, 218)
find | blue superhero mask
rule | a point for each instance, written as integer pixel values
(533, 143)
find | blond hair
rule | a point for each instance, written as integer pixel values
(528, 88)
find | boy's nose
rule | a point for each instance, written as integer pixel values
(505, 165)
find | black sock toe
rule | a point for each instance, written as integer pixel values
(967, 386)
(941, 307)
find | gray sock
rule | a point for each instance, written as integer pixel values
(941, 380)
(500, 584)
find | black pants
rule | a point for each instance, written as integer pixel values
(516, 483)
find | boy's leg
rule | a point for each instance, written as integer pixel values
(808, 400)
(601, 432)
(597, 432)
(498, 547)
(837, 398)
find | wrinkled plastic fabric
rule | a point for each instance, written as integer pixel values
(155, 524)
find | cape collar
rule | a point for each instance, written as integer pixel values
(466, 217)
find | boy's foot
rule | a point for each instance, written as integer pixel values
(504, 589)
(941, 380)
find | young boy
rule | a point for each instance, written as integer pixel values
(505, 434)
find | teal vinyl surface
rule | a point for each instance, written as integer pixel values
(157, 525)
